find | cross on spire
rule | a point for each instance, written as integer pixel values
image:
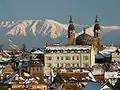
(84, 30)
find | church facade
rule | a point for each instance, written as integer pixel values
(78, 53)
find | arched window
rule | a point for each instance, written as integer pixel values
(77, 57)
(57, 58)
(72, 57)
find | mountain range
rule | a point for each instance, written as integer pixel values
(35, 33)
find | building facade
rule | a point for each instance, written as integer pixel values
(78, 53)
(116, 55)
(68, 58)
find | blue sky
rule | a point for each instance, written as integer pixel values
(83, 11)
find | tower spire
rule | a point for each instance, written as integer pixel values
(97, 20)
(70, 20)
(97, 33)
(84, 30)
(71, 32)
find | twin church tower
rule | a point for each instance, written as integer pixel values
(84, 39)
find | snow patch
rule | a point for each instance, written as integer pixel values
(26, 74)
(21, 78)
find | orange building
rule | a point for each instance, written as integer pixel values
(30, 86)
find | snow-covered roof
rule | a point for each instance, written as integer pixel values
(21, 78)
(98, 69)
(8, 79)
(6, 53)
(30, 80)
(26, 74)
(108, 50)
(66, 47)
(3, 58)
(102, 56)
(37, 52)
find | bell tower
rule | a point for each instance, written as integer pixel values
(97, 33)
(71, 32)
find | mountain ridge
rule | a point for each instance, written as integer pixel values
(32, 32)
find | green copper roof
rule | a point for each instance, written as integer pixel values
(70, 20)
(97, 26)
(84, 39)
(97, 20)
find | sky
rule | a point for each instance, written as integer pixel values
(82, 11)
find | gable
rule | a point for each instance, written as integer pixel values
(106, 87)
(8, 69)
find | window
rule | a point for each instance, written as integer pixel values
(67, 65)
(62, 65)
(77, 65)
(49, 64)
(77, 57)
(87, 50)
(49, 58)
(57, 58)
(68, 51)
(67, 58)
(61, 58)
(44, 88)
(85, 58)
(73, 58)
(37, 69)
(73, 65)
(85, 65)
(61, 51)
(76, 51)
(57, 64)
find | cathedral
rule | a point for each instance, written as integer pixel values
(78, 53)
(84, 39)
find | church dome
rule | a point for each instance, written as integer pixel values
(84, 39)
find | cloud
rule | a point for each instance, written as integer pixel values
(89, 29)
(109, 28)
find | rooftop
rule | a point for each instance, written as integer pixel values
(68, 47)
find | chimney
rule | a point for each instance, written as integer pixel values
(20, 72)
(30, 71)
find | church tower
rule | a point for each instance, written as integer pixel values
(71, 32)
(97, 33)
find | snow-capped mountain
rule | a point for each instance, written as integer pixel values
(32, 32)
(37, 32)
(42, 27)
